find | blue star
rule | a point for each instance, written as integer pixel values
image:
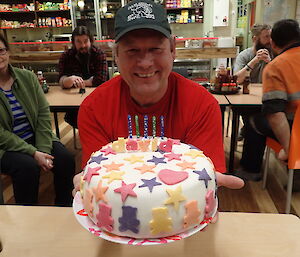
(150, 183)
(98, 159)
(157, 160)
(203, 176)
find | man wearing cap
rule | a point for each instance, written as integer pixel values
(145, 51)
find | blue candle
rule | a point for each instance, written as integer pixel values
(162, 127)
(146, 126)
(129, 126)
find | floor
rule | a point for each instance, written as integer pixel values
(251, 198)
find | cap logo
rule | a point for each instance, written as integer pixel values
(140, 10)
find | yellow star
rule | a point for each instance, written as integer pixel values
(186, 165)
(99, 192)
(146, 168)
(195, 153)
(175, 197)
(112, 166)
(134, 158)
(114, 176)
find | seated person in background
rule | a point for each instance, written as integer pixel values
(27, 144)
(145, 51)
(84, 65)
(253, 60)
(281, 91)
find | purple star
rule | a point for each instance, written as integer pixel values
(194, 147)
(98, 159)
(203, 176)
(150, 183)
(160, 151)
(157, 160)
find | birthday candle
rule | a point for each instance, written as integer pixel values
(129, 126)
(137, 129)
(153, 126)
(146, 126)
(162, 127)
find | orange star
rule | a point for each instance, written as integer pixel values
(186, 165)
(146, 168)
(99, 192)
(113, 166)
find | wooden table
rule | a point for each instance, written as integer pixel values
(54, 231)
(61, 100)
(238, 103)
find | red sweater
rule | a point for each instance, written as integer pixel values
(191, 114)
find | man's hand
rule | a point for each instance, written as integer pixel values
(283, 155)
(263, 55)
(44, 160)
(76, 182)
(229, 181)
(73, 81)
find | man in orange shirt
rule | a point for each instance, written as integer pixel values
(281, 90)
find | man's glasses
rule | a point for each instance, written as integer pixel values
(3, 51)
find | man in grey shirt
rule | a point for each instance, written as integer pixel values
(253, 60)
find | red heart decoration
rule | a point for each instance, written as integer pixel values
(172, 177)
(82, 212)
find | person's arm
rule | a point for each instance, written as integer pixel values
(101, 73)
(281, 129)
(242, 64)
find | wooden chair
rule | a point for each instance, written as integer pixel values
(294, 157)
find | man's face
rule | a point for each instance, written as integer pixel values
(263, 40)
(145, 59)
(82, 44)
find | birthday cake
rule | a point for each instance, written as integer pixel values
(148, 188)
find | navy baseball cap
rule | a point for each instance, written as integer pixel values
(141, 14)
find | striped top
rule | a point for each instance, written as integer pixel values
(21, 126)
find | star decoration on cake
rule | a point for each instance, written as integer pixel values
(175, 197)
(90, 173)
(134, 158)
(146, 168)
(195, 153)
(113, 166)
(210, 203)
(114, 176)
(87, 201)
(192, 214)
(157, 160)
(173, 156)
(175, 141)
(125, 190)
(150, 183)
(108, 150)
(186, 165)
(98, 159)
(99, 192)
(203, 175)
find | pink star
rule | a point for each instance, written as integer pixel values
(91, 172)
(108, 151)
(126, 190)
(173, 156)
(210, 203)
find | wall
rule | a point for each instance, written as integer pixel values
(298, 11)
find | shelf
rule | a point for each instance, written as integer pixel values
(35, 27)
(183, 8)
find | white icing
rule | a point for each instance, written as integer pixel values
(192, 189)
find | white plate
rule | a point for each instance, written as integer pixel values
(89, 225)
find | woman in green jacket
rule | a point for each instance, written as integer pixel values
(27, 144)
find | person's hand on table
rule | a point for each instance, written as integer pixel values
(44, 160)
(75, 81)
